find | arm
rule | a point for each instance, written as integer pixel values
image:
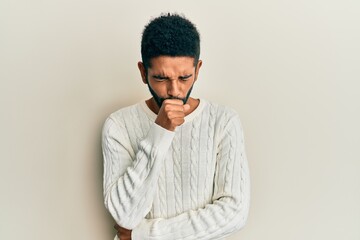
(130, 178)
(230, 203)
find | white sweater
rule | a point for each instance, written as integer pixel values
(189, 184)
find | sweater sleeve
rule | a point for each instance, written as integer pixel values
(130, 178)
(229, 208)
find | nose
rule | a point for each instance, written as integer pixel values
(173, 89)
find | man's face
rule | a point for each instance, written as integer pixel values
(170, 77)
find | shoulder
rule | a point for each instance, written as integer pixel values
(226, 120)
(124, 112)
(221, 113)
(117, 119)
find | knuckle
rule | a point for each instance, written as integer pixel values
(167, 107)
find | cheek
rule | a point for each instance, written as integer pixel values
(190, 83)
(159, 88)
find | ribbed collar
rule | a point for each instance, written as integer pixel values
(188, 118)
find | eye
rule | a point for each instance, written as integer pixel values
(185, 78)
(160, 78)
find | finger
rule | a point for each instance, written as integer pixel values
(186, 107)
(178, 121)
(173, 108)
(175, 114)
(174, 101)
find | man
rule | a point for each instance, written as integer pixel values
(174, 166)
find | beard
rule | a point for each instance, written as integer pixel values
(160, 100)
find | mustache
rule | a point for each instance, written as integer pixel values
(179, 98)
(159, 100)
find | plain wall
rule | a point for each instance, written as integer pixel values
(290, 68)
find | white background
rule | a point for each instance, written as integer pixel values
(290, 68)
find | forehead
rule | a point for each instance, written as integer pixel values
(171, 65)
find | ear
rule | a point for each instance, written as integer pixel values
(142, 72)
(198, 66)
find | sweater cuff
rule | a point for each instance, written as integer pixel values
(141, 231)
(160, 137)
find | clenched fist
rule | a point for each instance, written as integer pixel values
(172, 114)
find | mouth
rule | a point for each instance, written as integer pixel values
(160, 100)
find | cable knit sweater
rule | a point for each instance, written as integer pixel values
(189, 184)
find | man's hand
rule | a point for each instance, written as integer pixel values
(123, 233)
(172, 114)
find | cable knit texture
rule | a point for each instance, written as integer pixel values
(189, 184)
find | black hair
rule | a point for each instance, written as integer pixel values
(170, 35)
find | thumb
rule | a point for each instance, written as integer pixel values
(186, 107)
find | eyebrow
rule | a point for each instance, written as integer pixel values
(159, 76)
(186, 76)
